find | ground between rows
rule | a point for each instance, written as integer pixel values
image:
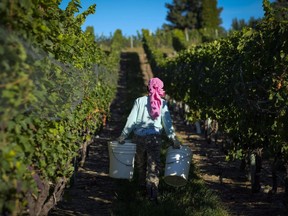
(94, 191)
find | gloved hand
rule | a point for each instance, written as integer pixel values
(121, 139)
(176, 143)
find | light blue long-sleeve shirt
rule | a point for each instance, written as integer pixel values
(140, 122)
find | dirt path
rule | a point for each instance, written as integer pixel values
(94, 191)
(145, 67)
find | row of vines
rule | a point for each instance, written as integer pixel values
(56, 86)
(241, 81)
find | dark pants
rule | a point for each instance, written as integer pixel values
(148, 159)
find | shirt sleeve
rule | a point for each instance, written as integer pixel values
(167, 121)
(131, 120)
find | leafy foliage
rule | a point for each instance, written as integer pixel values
(240, 80)
(55, 92)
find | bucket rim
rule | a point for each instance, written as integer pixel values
(126, 142)
(167, 180)
(186, 150)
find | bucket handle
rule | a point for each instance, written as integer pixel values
(120, 160)
(178, 160)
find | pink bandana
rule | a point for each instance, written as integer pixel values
(156, 91)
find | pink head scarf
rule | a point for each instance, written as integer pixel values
(155, 87)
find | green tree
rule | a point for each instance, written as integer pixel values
(183, 14)
(280, 3)
(193, 14)
(252, 22)
(117, 40)
(209, 14)
(238, 25)
(90, 33)
(281, 8)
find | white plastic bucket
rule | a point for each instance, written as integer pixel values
(177, 166)
(122, 156)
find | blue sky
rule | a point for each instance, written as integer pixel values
(133, 15)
